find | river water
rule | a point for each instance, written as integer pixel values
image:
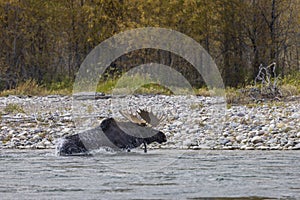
(159, 174)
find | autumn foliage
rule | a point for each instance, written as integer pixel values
(46, 41)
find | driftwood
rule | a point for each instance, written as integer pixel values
(265, 85)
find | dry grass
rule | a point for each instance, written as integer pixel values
(31, 88)
(289, 90)
(202, 92)
(13, 108)
(289, 86)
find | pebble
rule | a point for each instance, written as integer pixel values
(295, 115)
(239, 138)
(256, 139)
(187, 126)
(296, 147)
(263, 148)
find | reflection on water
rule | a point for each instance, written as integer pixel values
(167, 174)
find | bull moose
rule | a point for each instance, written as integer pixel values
(115, 134)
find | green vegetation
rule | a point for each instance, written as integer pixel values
(196, 106)
(135, 84)
(31, 88)
(106, 86)
(289, 86)
(153, 88)
(13, 108)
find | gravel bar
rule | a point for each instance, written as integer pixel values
(191, 122)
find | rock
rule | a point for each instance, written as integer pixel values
(225, 134)
(295, 116)
(228, 147)
(290, 143)
(187, 143)
(241, 114)
(223, 141)
(271, 127)
(263, 148)
(280, 125)
(256, 139)
(15, 139)
(196, 148)
(193, 130)
(283, 141)
(252, 133)
(239, 138)
(204, 147)
(36, 138)
(177, 135)
(260, 132)
(296, 147)
(244, 141)
(234, 124)
(48, 118)
(40, 145)
(11, 133)
(47, 143)
(277, 147)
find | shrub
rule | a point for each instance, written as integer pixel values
(13, 108)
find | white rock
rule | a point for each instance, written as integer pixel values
(261, 132)
(277, 147)
(256, 139)
(187, 143)
(296, 147)
(295, 116)
(243, 147)
(263, 148)
(249, 148)
(14, 139)
(240, 138)
(244, 141)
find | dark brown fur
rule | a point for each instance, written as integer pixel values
(122, 135)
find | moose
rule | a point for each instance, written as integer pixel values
(115, 134)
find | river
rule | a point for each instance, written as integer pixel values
(159, 174)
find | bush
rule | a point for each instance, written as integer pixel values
(13, 108)
(290, 84)
(29, 87)
(32, 88)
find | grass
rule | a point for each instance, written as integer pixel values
(32, 88)
(151, 88)
(137, 84)
(13, 108)
(196, 106)
(106, 86)
(288, 86)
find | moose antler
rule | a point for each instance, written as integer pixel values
(133, 118)
(144, 117)
(150, 118)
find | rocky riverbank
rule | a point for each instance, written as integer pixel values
(190, 122)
